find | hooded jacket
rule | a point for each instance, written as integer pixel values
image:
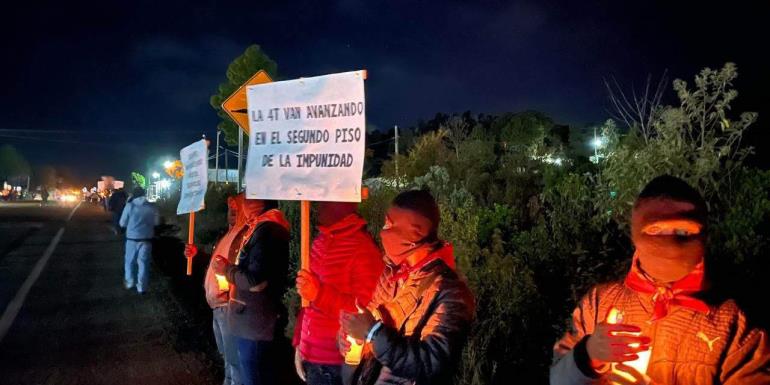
(688, 346)
(426, 318)
(347, 263)
(139, 218)
(264, 257)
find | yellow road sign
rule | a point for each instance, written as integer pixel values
(235, 104)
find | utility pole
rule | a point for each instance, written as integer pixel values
(397, 175)
(240, 155)
(216, 161)
(227, 168)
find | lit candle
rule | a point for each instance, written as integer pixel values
(615, 316)
(222, 282)
(353, 356)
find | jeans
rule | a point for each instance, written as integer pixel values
(320, 374)
(226, 346)
(255, 361)
(138, 254)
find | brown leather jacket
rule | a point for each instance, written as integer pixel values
(688, 347)
(426, 319)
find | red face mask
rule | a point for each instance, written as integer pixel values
(252, 208)
(404, 233)
(669, 242)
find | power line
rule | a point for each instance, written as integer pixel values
(381, 141)
(54, 140)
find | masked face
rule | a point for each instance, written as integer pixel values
(252, 208)
(330, 213)
(669, 241)
(404, 233)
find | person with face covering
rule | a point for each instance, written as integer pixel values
(418, 320)
(345, 264)
(656, 326)
(218, 289)
(255, 310)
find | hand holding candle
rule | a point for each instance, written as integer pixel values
(356, 325)
(613, 343)
(630, 371)
(353, 330)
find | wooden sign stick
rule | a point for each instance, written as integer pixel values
(190, 238)
(305, 240)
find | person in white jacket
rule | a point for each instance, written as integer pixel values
(139, 219)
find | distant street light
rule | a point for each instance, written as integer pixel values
(155, 175)
(597, 142)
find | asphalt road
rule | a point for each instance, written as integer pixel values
(65, 317)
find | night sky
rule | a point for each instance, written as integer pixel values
(123, 85)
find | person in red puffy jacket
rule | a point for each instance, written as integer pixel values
(345, 263)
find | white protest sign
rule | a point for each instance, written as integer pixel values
(195, 180)
(306, 138)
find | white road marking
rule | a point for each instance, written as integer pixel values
(18, 301)
(69, 217)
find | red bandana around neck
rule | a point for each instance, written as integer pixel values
(678, 294)
(444, 253)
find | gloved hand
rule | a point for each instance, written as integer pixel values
(190, 250)
(219, 265)
(308, 285)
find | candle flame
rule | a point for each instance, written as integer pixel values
(615, 316)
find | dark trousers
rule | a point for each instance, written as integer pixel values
(256, 361)
(320, 374)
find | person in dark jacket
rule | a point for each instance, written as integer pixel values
(345, 264)
(115, 205)
(218, 289)
(658, 326)
(417, 323)
(255, 311)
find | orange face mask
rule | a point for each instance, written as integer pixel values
(668, 238)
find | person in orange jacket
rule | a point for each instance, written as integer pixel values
(659, 325)
(345, 263)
